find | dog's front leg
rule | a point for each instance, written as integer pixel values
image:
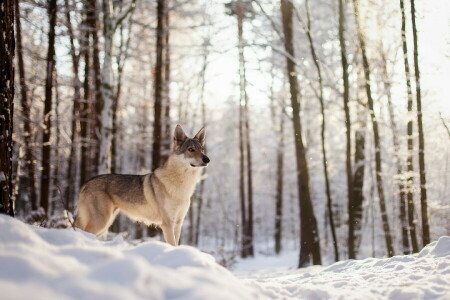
(178, 225)
(169, 234)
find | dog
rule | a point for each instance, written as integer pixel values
(161, 197)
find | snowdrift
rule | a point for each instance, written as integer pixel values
(425, 275)
(38, 263)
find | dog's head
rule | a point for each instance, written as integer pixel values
(192, 150)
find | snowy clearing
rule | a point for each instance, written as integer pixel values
(38, 263)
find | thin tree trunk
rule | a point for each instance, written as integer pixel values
(376, 137)
(423, 181)
(158, 86)
(395, 141)
(46, 146)
(75, 125)
(409, 161)
(310, 242)
(84, 105)
(307, 30)
(166, 131)
(348, 164)
(6, 104)
(29, 157)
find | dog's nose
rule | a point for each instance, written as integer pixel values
(205, 159)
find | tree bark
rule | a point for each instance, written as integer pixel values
(158, 86)
(46, 146)
(6, 104)
(410, 139)
(307, 29)
(376, 137)
(423, 181)
(75, 124)
(29, 157)
(310, 242)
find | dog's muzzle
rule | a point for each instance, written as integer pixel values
(205, 159)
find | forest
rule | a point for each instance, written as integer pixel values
(327, 122)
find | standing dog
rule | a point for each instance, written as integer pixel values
(160, 198)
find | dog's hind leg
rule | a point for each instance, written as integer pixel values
(101, 214)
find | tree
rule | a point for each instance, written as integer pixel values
(25, 104)
(376, 136)
(310, 243)
(410, 139)
(422, 172)
(6, 104)
(46, 144)
(308, 31)
(111, 21)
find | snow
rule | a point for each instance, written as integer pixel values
(39, 263)
(425, 275)
(68, 264)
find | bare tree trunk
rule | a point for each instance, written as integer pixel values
(158, 86)
(29, 157)
(94, 107)
(75, 125)
(6, 104)
(310, 242)
(423, 181)
(376, 137)
(166, 131)
(358, 177)
(84, 105)
(307, 29)
(46, 147)
(348, 164)
(409, 162)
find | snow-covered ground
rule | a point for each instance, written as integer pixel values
(38, 263)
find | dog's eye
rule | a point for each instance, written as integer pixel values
(191, 149)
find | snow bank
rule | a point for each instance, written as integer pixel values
(425, 275)
(38, 263)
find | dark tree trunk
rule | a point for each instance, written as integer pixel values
(376, 136)
(348, 164)
(29, 157)
(158, 86)
(423, 181)
(6, 104)
(96, 108)
(310, 242)
(46, 147)
(166, 131)
(84, 105)
(75, 124)
(307, 29)
(409, 161)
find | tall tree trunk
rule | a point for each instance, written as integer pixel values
(166, 131)
(376, 137)
(348, 164)
(84, 104)
(307, 29)
(158, 86)
(75, 124)
(396, 143)
(6, 104)
(409, 161)
(423, 181)
(29, 157)
(310, 242)
(245, 147)
(46, 147)
(358, 177)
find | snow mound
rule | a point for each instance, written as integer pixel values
(38, 263)
(425, 275)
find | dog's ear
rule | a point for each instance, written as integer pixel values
(179, 136)
(201, 135)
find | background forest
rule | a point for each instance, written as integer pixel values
(327, 121)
